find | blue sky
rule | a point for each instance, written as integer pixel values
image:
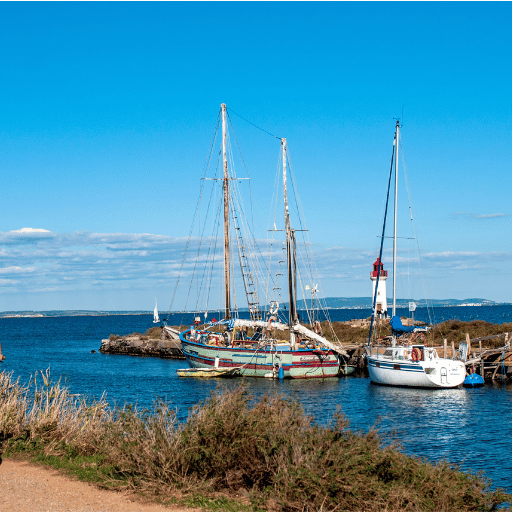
(107, 112)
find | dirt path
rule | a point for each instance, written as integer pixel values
(26, 487)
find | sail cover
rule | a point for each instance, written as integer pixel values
(399, 328)
(297, 328)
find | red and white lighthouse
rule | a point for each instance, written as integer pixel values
(382, 301)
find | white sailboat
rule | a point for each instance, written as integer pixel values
(407, 362)
(156, 318)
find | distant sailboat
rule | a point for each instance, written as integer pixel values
(156, 318)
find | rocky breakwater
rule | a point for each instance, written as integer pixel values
(156, 342)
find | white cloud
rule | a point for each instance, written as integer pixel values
(17, 270)
(30, 230)
(484, 215)
(127, 266)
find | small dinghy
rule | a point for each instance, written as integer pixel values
(208, 372)
(473, 380)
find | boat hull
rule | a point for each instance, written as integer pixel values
(262, 362)
(439, 373)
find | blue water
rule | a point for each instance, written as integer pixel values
(467, 427)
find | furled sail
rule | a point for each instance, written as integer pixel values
(298, 328)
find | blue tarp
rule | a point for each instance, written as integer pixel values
(398, 327)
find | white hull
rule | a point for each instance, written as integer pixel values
(394, 367)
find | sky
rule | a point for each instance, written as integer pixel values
(107, 111)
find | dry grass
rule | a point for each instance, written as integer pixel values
(269, 448)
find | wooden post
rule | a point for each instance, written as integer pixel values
(482, 368)
(453, 350)
(445, 348)
(468, 341)
(480, 347)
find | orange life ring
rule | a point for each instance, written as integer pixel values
(416, 354)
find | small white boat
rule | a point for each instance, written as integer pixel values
(407, 362)
(156, 318)
(415, 366)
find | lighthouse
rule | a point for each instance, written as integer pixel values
(382, 301)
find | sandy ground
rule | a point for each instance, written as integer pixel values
(25, 487)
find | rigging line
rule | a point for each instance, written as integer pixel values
(430, 309)
(238, 145)
(246, 170)
(256, 126)
(250, 241)
(382, 242)
(202, 232)
(210, 257)
(270, 243)
(301, 219)
(205, 171)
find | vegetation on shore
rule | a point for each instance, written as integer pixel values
(451, 330)
(233, 453)
(356, 332)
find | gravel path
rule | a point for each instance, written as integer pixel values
(26, 487)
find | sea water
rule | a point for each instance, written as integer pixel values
(466, 427)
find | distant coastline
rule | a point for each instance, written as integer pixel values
(329, 303)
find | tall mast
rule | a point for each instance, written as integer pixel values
(397, 140)
(289, 245)
(225, 186)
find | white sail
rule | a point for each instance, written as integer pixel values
(156, 318)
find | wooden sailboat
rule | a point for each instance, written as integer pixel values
(408, 362)
(304, 355)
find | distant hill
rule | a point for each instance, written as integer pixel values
(366, 302)
(329, 302)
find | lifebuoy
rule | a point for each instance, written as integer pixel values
(274, 307)
(269, 324)
(415, 354)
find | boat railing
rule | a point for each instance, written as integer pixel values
(389, 353)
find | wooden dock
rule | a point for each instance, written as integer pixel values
(490, 363)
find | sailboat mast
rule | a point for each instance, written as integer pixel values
(225, 186)
(289, 244)
(397, 140)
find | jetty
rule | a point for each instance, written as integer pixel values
(157, 342)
